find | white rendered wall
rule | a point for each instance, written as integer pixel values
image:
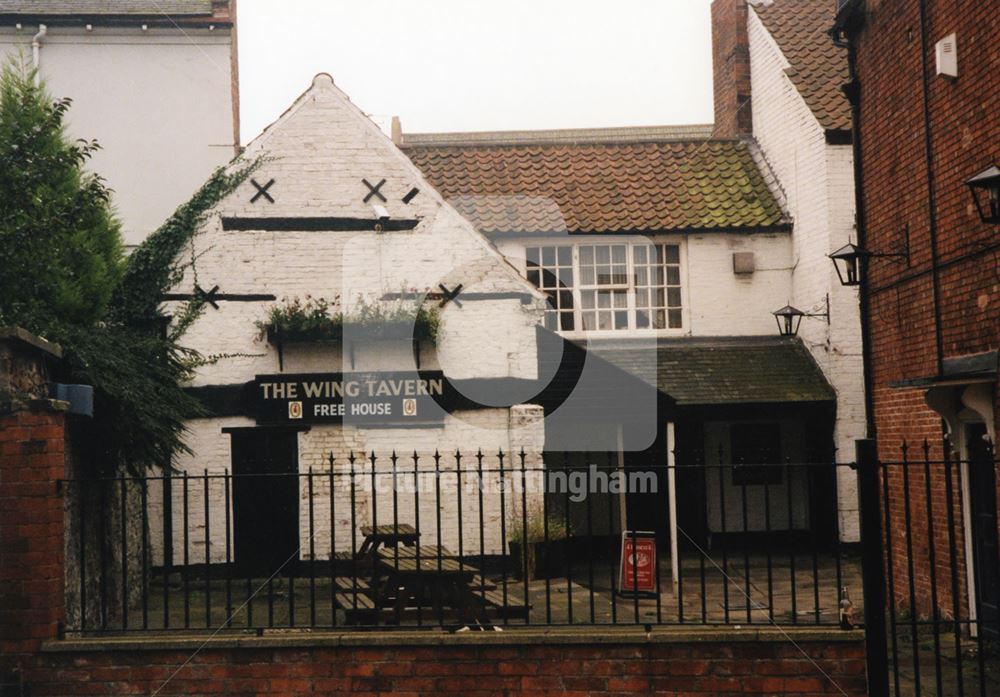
(159, 103)
(817, 179)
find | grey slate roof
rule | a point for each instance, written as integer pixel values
(724, 370)
(63, 8)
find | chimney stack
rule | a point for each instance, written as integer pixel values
(397, 131)
(731, 69)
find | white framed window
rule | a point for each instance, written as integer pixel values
(657, 286)
(613, 286)
(551, 270)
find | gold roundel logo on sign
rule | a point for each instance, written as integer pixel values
(409, 407)
(295, 410)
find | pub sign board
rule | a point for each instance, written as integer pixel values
(360, 398)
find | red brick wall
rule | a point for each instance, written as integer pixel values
(965, 139)
(731, 69)
(32, 460)
(701, 668)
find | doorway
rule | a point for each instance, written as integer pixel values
(983, 518)
(265, 499)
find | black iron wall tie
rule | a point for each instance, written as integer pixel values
(262, 191)
(448, 296)
(374, 190)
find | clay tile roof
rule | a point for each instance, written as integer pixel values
(612, 180)
(818, 68)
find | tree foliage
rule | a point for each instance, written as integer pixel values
(64, 275)
(60, 246)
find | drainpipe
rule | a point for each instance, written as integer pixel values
(853, 92)
(866, 450)
(36, 50)
(931, 188)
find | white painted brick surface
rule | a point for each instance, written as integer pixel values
(318, 152)
(817, 179)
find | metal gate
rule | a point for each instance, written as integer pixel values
(930, 561)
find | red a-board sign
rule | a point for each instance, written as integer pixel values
(638, 563)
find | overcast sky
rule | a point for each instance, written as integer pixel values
(464, 65)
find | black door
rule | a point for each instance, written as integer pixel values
(265, 500)
(985, 550)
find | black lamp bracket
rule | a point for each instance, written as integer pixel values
(826, 310)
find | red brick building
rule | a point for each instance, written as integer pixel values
(925, 123)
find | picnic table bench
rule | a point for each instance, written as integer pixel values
(405, 576)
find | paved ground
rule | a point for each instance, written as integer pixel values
(583, 596)
(964, 672)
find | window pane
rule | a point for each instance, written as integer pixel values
(531, 255)
(534, 277)
(673, 254)
(586, 255)
(659, 319)
(621, 320)
(587, 299)
(566, 277)
(565, 256)
(589, 320)
(674, 297)
(621, 299)
(604, 320)
(549, 256)
(587, 276)
(641, 277)
(550, 321)
(548, 279)
(565, 299)
(604, 299)
(603, 255)
(673, 275)
(640, 254)
(618, 254)
(675, 319)
(642, 298)
(641, 319)
(566, 321)
(658, 298)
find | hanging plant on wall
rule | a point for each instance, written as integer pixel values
(322, 320)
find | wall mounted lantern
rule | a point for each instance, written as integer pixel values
(847, 261)
(985, 189)
(789, 318)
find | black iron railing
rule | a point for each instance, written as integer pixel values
(462, 540)
(941, 572)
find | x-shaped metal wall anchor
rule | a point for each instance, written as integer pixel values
(374, 190)
(207, 296)
(262, 191)
(449, 295)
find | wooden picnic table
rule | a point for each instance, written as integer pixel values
(379, 536)
(406, 576)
